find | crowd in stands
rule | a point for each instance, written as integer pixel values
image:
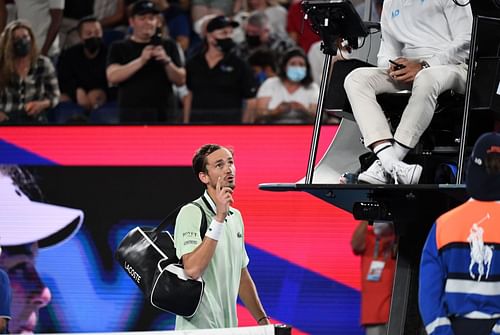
(155, 61)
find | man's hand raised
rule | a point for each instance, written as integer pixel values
(223, 199)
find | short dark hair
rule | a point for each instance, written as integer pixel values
(286, 57)
(85, 19)
(200, 157)
(262, 57)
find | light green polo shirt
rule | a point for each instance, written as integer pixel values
(222, 276)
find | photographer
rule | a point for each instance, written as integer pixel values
(144, 67)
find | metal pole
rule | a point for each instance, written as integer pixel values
(468, 89)
(318, 118)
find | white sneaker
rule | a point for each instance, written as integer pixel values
(375, 174)
(406, 173)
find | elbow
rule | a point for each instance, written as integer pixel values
(111, 79)
(181, 80)
(193, 272)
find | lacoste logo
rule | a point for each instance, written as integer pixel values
(135, 276)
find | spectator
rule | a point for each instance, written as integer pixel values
(263, 63)
(82, 76)
(275, 13)
(46, 30)
(73, 12)
(258, 34)
(299, 29)
(292, 96)
(458, 283)
(28, 82)
(144, 68)
(219, 81)
(43, 225)
(378, 263)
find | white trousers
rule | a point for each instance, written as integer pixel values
(363, 84)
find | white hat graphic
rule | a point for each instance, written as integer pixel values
(24, 221)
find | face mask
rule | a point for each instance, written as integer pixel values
(92, 44)
(296, 73)
(225, 44)
(253, 40)
(22, 47)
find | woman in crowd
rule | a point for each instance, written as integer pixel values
(292, 96)
(28, 82)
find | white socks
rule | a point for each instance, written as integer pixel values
(390, 154)
(400, 150)
(387, 155)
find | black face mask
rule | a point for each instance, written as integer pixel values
(225, 44)
(253, 40)
(22, 47)
(92, 44)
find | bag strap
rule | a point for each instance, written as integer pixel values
(203, 226)
(166, 221)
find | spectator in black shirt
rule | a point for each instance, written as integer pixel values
(82, 74)
(220, 83)
(144, 68)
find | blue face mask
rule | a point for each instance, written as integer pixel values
(296, 73)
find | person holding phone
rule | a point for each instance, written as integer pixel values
(144, 69)
(424, 48)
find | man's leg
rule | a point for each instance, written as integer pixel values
(362, 86)
(428, 85)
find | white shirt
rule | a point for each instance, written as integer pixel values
(274, 88)
(36, 12)
(435, 30)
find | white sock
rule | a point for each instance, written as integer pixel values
(387, 155)
(400, 150)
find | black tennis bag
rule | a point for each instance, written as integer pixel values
(148, 256)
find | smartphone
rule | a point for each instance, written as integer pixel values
(156, 39)
(397, 65)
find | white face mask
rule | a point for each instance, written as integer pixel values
(381, 228)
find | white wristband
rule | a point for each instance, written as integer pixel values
(214, 231)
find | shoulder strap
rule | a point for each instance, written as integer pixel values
(203, 226)
(167, 220)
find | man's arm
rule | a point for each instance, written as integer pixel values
(56, 15)
(249, 111)
(358, 240)
(460, 24)
(248, 294)
(117, 73)
(197, 261)
(175, 73)
(187, 102)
